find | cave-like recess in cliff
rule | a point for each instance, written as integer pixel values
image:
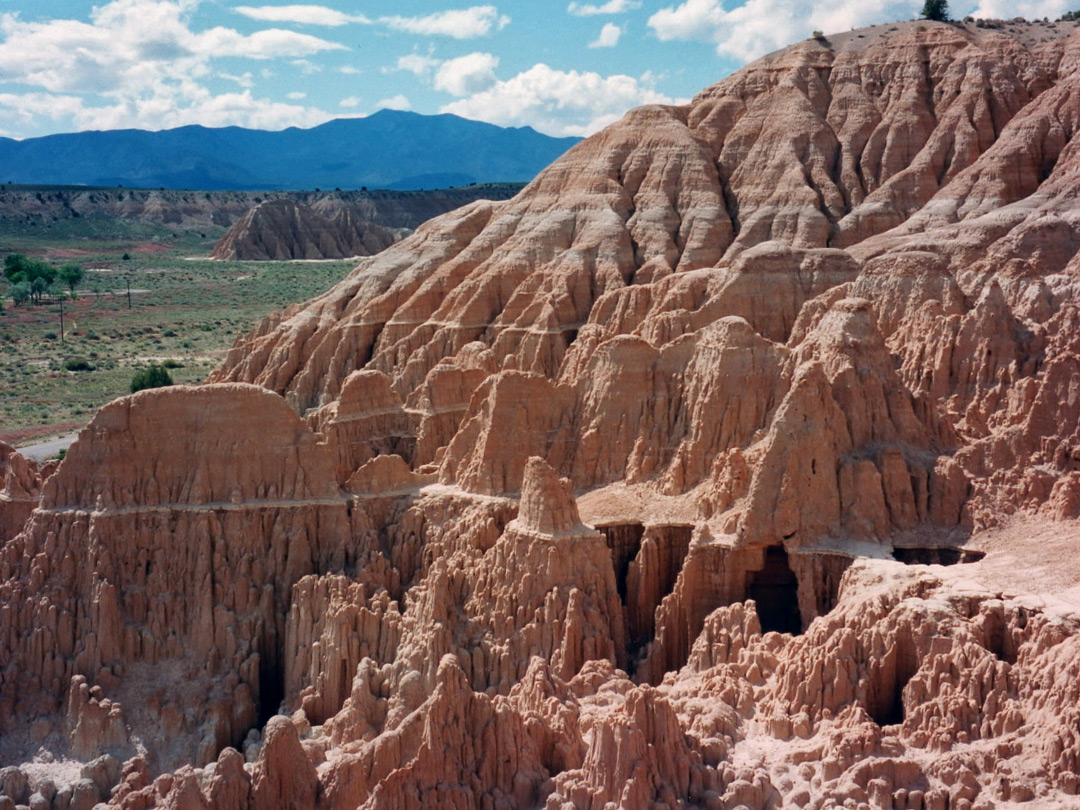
(775, 591)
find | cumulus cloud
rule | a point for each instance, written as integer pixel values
(296, 96)
(308, 68)
(351, 101)
(139, 63)
(469, 23)
(304, 15)
(611, 7)
(760, 26)
(418, 64)
(398, 102)
(609, 37)
(467, 74)
(557, 102)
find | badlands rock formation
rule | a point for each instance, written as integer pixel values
(286, 229)
(732, 464)
(210, 211)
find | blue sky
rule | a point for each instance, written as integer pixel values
(563, 68)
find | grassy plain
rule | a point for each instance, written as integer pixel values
(183, 308)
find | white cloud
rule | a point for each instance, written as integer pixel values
(131, 44)
(274, 43)
(351, 101)
(305, 15)
(138, 63)
(306, 67)
(416, 64)
(398, 102)
(558, 102)
(477, 21)
(609, 37)
(296, 96)
(244, 79)
(349, 70)
(467, 74)
(611, 7)
(760, 26)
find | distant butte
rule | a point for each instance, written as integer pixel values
(733, 463)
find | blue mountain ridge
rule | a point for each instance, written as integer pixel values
(390, 149)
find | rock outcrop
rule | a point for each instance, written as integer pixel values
(732, 464)
(285, 229)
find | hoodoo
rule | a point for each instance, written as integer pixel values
(732, 464)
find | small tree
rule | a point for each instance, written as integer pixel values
(153, 376)
(937, 10)
(72, 275)
(20, 293)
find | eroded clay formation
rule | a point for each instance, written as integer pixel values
(286, 229)
(732, 464)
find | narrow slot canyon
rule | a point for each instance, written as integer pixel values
(624, 541)
(647, 563)
(651, 576)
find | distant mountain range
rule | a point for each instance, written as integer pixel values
(390, 149)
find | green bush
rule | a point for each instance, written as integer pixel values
(153, 376)
(78, 364)
(172, 363)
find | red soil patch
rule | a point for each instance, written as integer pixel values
(21, 435)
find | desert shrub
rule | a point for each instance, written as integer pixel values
(153, 376)
(172, 363)
(78, 364)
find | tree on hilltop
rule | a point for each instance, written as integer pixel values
(937, 10)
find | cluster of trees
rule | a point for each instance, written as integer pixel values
(33, 279)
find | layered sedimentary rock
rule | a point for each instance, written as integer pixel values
(285, 229)
(731, 464)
